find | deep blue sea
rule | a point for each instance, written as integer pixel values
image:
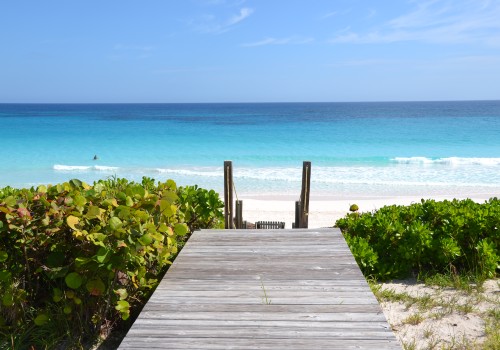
(356, 149)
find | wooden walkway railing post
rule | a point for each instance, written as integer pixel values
(238, 220)
(296, 224)
(304, 195)
(228, 194)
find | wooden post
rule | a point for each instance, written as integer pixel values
(238, 220)
(304, 195)
(228, 195)
(296, 224)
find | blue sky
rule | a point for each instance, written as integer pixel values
(248, 51)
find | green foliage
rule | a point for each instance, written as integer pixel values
(458, 236)
(202, 208)
(75, 258)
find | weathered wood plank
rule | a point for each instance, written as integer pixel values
(263, 289)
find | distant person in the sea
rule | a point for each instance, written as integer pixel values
(95, 157)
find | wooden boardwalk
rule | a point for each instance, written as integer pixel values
(263, 289)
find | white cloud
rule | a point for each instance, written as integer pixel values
(329, 14)
(335, 13)
(244, 13)
(282, 41)
(210, 24)
(436, 21)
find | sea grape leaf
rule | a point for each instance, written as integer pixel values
(42, 319)
(79, 200)
(115, 223)
(58, 295)
(102, 255)
(142, 215)
(170, 197)
(8, 299)
(110, 202)
(75, 182)
(41, 189)
(10, 201)
(5, 275)
(157, 236)
(72, 221)
(67, 309)
(95, 287)
(138, 192)
(73, 280)
(181, 229)
(3, 255)
(45, 221)
(146, 239)
(93, 212)
(171, 184)
(124, 308)
(122, 293)
(80, 261)
(162, 228)
(129, 202)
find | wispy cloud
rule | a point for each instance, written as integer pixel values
(244, 13)
(436, 21)
(280, 41)
(329, 14)
(335, 13)
(212, 24)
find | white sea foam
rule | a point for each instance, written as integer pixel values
(194, 172)
(105, 168)
(82, 168)
(61, 167)
(455, 161)
(409, 177)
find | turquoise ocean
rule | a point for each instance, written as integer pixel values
(356, 149)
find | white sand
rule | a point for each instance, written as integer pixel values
(323, 211)
(445, 323)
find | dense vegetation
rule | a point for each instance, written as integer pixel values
(451, 237)
(78, 260)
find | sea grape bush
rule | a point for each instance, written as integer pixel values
(458, 236)
(76, 259)
(201, 208)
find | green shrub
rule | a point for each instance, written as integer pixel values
(76, 260)
(458, 236)
(201, 208)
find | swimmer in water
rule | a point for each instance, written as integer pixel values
(95, 157)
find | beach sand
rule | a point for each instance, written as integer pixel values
(323, 211)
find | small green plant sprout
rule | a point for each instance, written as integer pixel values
(353, 208)
(414, 319)
(265, 299)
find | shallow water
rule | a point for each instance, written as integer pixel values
(401, 148)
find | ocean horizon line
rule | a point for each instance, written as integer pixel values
(247, 102)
